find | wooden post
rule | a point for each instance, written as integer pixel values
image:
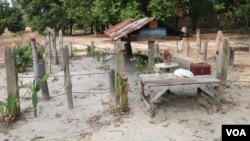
(11, 72)
(205, 52)
(54, 50)
(223, 61)
(92, 48)
(187, 48)
(249, 47)
(119, 67)
(61, 46)
(176, 47)
(35, 57)
(48, 54)
(218, 41)
(231, 56)
(70, 49)
(156, 48)
(44, 87)
(150, 54)
(198, 40)
(112, 82)
(67, 80)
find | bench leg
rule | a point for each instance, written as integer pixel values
(217, 98)
(142, 92)
(152, 104)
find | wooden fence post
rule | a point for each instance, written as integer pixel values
(231, 56)
(223, 61)
(187, 48)
(61, 46)
(70, 49)
(156, 48)
(198, 40)
(249, 46)
(92, 48)
(54, 50)
(119, 67)
(176, 47)
(35, 57)
(112, 82)
(150, 54)
(67, 80)
(44, 87)
(205, 52)
(11, 72)
(48, 54)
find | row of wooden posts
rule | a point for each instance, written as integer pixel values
(40, 71)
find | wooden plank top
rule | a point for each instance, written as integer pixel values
(169, 79)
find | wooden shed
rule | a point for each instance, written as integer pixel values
(134, 29)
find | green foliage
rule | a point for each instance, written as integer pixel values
(123, 89)
(138, 63)
(35, 87)
(162, 9)
(10, 17)
(9, 109)
(88, 49)
(23, 57)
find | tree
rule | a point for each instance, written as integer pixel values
(43, 13)
(78, 14)
(15, 20)
(10, 17)
(237, 12)
(4, 6)
(162, 9)
(197, 9)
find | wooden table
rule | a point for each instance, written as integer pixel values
(206, 83)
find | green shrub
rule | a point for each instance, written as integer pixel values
(23, 57)
(9, 110)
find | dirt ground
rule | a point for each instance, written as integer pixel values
(179, 118)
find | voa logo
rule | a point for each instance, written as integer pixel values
(236, 132)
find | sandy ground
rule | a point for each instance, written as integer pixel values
(177, 119)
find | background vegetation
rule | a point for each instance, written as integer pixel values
(96, 15)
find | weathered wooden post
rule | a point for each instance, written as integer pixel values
(156, 48)
(70, 49)
(54, 50)
(61, 46)
(249, 47)
(67, 80)
(219, 37)
(112, 82)
(205, 52)
(11, 73)
(150, 54)
(44, 87)
(222, 61)
(176, 47)
(48, 54)
(198, 40)
(187, 48)
(35, 57)
(119, 67)
(231, 56)
(92, 48)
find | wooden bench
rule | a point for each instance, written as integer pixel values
(204, 83)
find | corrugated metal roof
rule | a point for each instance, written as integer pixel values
(127, 26)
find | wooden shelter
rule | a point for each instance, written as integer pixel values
(133, 29)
